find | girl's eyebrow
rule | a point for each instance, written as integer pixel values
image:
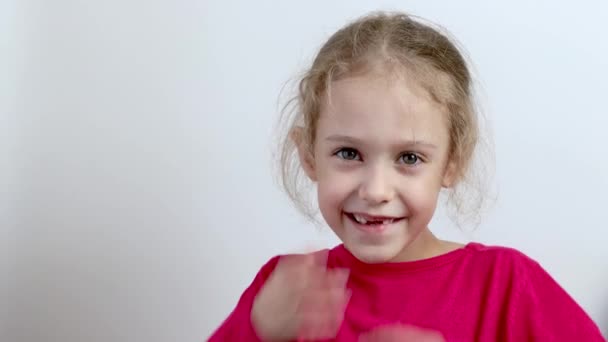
(352, 140)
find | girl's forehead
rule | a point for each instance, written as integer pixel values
(377, 99)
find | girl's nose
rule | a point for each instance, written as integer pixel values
(376, 187)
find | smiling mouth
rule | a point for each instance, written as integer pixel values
(372, 220)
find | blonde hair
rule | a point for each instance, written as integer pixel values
(394, 41)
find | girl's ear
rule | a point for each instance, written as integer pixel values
(450, 175)
(306, 157)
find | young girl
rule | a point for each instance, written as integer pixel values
(385, 120)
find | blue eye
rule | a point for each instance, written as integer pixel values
(409, 158)
(348, 154)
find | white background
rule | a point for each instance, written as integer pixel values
(136, 195)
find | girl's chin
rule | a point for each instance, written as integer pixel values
(372, 254)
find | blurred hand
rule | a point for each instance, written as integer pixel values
(401, 333)
(301, 299)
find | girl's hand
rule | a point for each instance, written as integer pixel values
(301, 299)
(401, 333)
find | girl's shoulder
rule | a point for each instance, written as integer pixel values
(505, 262)
(494, 254)
(537, 304)
(507, 259)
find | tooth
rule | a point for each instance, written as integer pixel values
(387, 221)
(360, 219)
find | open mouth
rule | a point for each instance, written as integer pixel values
(372, 222)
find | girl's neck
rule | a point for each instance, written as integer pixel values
(426, 245)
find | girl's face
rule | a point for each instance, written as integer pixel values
(380, 160)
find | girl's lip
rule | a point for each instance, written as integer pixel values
(372, 217)
(376, 227)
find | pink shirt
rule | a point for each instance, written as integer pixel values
(476, 293)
